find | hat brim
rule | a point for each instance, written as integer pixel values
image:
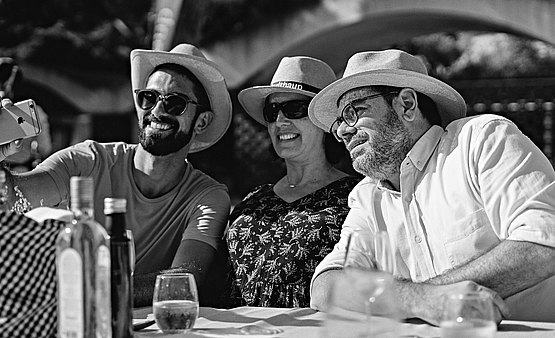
(323, 107)
(143, 63)
(253, 99)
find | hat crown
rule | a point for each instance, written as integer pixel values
(188, 49)
(382, 60)
(302, 70)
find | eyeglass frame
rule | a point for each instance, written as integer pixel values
(163, 97)
(340, 119)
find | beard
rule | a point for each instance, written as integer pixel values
(160, 144)
(381, 157)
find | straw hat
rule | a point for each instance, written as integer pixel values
(386, 68)
(295, 74)
(143, 63)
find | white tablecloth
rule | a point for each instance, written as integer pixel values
(307, 323)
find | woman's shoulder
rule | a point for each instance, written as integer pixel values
(259, 191)
(255, 197)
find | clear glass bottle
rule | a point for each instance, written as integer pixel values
(83, 269)
(122, 282)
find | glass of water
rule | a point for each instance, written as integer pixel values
(368, 276)
(175, 302)
(468, 315)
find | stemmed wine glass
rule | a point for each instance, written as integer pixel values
(369, 265)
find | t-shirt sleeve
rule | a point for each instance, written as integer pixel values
(77, 160)
(209, 217)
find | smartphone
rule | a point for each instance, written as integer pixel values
(19, 121)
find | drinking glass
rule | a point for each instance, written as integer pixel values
(132, 255)
(175, 302)
(468, 315)
(369, 250)
(368, 278)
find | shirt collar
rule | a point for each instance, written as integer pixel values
(424, 147)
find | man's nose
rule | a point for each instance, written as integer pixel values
(345, 131)
(158, 109)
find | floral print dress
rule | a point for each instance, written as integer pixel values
(274, 246)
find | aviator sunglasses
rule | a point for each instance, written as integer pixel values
(174, 103)
(294, 109)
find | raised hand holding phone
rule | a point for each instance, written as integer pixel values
(18, 121)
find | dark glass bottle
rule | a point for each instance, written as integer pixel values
(122, 281)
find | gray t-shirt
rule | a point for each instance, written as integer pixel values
(196, 208)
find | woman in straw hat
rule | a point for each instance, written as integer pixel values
(280, 231)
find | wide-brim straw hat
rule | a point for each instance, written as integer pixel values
(295, 74)
(386, 68)
(143, 63)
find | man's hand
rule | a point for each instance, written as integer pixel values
(8, 149)
(425, 301)
(11, 148)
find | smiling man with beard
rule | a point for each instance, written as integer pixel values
(177, 213)
(468, 202)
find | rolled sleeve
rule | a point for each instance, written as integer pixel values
(357, 219)
(517, 184)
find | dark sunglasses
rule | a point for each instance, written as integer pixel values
(174, 103)
(291, 109)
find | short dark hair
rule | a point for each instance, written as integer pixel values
(10, 76)
(426, 105)
(198, 88)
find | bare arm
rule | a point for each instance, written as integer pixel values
(510, 267)
(321, 293)
(507, 269)
(192, 256)
(35, 188)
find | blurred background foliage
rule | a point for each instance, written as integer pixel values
(99, 34)
(94, 34)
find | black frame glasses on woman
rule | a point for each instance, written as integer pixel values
(350, 112)
(294, 109)
(174, 103)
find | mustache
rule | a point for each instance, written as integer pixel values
(162, 119)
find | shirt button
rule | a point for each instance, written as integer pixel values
(417, 239)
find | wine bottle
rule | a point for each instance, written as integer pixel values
(122, 282)
(83, 269)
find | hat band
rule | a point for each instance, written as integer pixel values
(296, 85)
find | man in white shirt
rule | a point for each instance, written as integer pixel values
(468, 202)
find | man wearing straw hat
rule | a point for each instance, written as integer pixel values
(177, 213)
(468, 202)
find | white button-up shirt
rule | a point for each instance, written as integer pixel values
(463, 190)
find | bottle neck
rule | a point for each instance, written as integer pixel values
(115, 224)
(83, 210)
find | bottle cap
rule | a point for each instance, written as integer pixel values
(81, 190)
(114, 205)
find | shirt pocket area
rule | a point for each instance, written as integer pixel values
(472, 237)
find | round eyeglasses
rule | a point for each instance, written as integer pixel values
(174, 103)
(352, 111)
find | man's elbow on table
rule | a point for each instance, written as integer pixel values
(321, 288)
